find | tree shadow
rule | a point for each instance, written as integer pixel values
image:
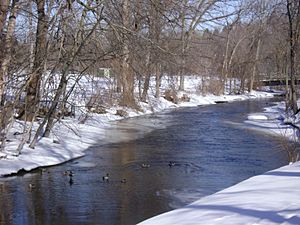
(283, 173)
(272, 216)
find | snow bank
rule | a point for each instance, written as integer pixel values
(273, 121)
(265, 199)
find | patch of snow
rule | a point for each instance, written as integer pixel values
(257, 117)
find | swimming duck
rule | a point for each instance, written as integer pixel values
(106, 178)
(171, 164)
(123, 181)
(71, 174)
(68, 173)
(31, 186)
(145, 165)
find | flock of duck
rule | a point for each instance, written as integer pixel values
(105, 178)
(143, 165)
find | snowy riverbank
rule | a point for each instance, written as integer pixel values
(70, 139)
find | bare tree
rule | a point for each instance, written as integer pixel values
(155, 27)
(67, 60)
(127, 74)
(189, 23)
(6, 111)
(7, 49)
(33, 88)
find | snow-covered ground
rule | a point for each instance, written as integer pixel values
(273, 120)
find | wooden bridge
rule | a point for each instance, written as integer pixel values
(277, 82)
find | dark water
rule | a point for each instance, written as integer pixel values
(210, 145)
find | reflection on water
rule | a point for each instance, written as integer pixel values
(210, 149)
(131, 129)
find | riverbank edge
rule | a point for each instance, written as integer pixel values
(269, 198)
(70, 139)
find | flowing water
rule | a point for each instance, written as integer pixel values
(210, 145)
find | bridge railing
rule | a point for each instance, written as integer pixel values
(274, 77)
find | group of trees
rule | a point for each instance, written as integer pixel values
(45, 42)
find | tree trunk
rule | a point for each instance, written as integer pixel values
(153, 36)
(254, 71)
(158, 76)
(60, 90)
(3, 13)
(184, 33)
(118, 83)
(33, 88)
(30, 37)
(293, 12)
(153, 56)
(128, 80)
(7, 50)
(184, 47)
(4, 4)
(127, 75)
(287, 94)
(6, 109)
(182, 71)
(147, 78)
(225, 64)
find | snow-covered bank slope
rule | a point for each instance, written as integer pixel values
(70, 138)
(271, 198)
(273, 121)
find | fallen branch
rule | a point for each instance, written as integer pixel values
(293, 125)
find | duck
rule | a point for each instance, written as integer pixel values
(68, 173)
(145, 165)
(71, 174)
(43, 170)
(106, 178)
(171, 164)
(31, 186)
(123, 181)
